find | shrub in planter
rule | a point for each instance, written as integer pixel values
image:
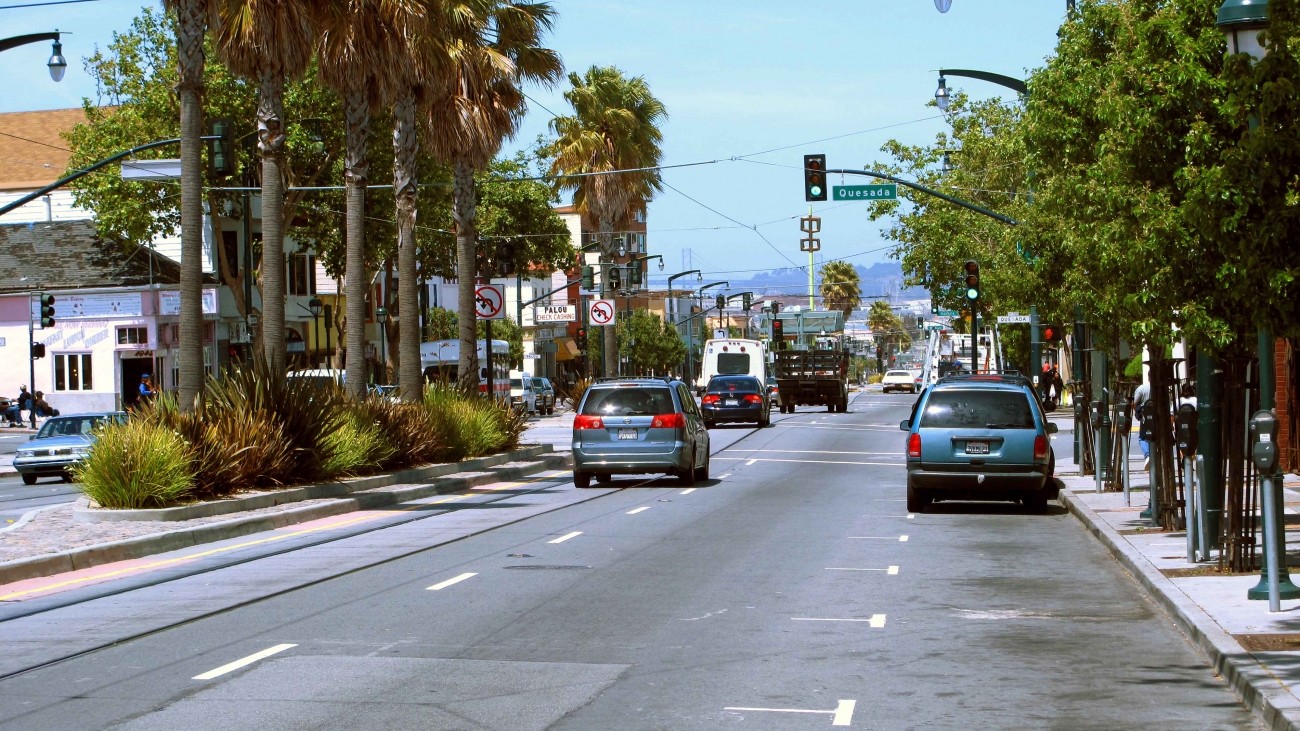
(137, 465)
(409, 428)
(357, 446)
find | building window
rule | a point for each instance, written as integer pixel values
(72, 372)
(133, 336)
(302, 274)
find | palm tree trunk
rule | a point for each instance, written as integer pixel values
(270, 143)
(462, 212)
(189, 43)
(355, 173)
(610, 333)
(406, 146)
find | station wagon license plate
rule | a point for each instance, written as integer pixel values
(977, 447)
(631, 434)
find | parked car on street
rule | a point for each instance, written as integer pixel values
(61, 444)
(636, 426)
(899, 380)
(545, 395)
(773, 391)
(522, 396)
(979, 437)
(735, 398)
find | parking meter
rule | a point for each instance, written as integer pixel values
(1080, 409)
(1185, 424)
(1263, 432)
(1125, 417)
(1094, 410)
(1147, 423)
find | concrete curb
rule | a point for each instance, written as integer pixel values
(1261, 692)
(154, 543)
(84, 512)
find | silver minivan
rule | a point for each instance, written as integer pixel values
(639, 425)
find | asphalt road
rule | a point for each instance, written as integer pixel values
(792, 591)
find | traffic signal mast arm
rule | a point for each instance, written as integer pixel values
(931, 191)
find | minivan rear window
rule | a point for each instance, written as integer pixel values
(627, 401)
(955, 409)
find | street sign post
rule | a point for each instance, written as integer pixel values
(601, 313)
(488, 301)
(877, 192)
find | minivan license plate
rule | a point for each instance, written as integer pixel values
(977, 447)
(631, 434)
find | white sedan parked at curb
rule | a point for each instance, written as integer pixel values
(898, 381)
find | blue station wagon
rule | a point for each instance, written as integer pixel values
(979, 437)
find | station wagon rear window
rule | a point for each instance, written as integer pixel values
(956, 409)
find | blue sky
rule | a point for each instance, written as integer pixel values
(750, 87)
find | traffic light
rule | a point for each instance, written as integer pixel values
(814, 177)
(47, 310)
(778, 334)
(588, 278)
(505, 256)
(776, 307)
(38, 350)
(1053, 333)
(721, 301)
(581, 339)
(634, 274)
(221, 151)
(747, 301)
(972, 280)
(615, 279)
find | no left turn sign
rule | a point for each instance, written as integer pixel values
(601, 312)
(488, 300)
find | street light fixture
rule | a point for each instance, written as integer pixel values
(57, 63)
(381, 317)
(314, 306)
(699, 277)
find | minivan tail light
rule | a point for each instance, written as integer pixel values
(668, 421)
(914, 446)
(753, 398)
(1040, 448)
(584, 421)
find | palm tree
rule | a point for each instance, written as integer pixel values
(615, 126)
(359, 51)
(191, 24)
(887, 330)
(466, 126)
(270, 41)
(841, 289)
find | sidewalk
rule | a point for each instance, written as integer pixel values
(1256, 652)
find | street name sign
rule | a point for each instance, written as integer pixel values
(1015, 318)
(877, 192)
(555, 313)
(946, 313)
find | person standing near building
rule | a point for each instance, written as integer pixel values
(1140, 402)
(147, 391)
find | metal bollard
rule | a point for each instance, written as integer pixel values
(1189, 513)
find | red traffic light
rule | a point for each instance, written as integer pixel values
(1053, 333)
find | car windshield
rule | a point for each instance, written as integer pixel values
(628, 401)
(539, 383)
(70, 426)
(982, 409)
(516, 383)
(741, 385)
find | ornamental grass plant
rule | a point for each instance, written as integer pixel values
(137, 465)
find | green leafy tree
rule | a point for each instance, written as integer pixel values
(651, 346)
(441, 324)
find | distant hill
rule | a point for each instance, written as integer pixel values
(882, 279)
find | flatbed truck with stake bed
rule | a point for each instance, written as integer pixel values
(812, 378)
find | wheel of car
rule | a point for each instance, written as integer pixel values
(582, 480)
(604, 478)
(29, 479)
(916, 501)
(1037, 503)
(702, 473)
(687, 476)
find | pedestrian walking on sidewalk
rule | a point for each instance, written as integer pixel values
(1137, 406)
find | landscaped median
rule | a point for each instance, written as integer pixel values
(253, 512)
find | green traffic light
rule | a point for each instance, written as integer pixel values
(972, 294)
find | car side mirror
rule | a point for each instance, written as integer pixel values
(1051, 427)
(905, 425)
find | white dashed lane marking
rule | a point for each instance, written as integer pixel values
(892, 570)
(229, 667)
(876, 620)
(452, 580)
(641, 509)
(566, 537)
